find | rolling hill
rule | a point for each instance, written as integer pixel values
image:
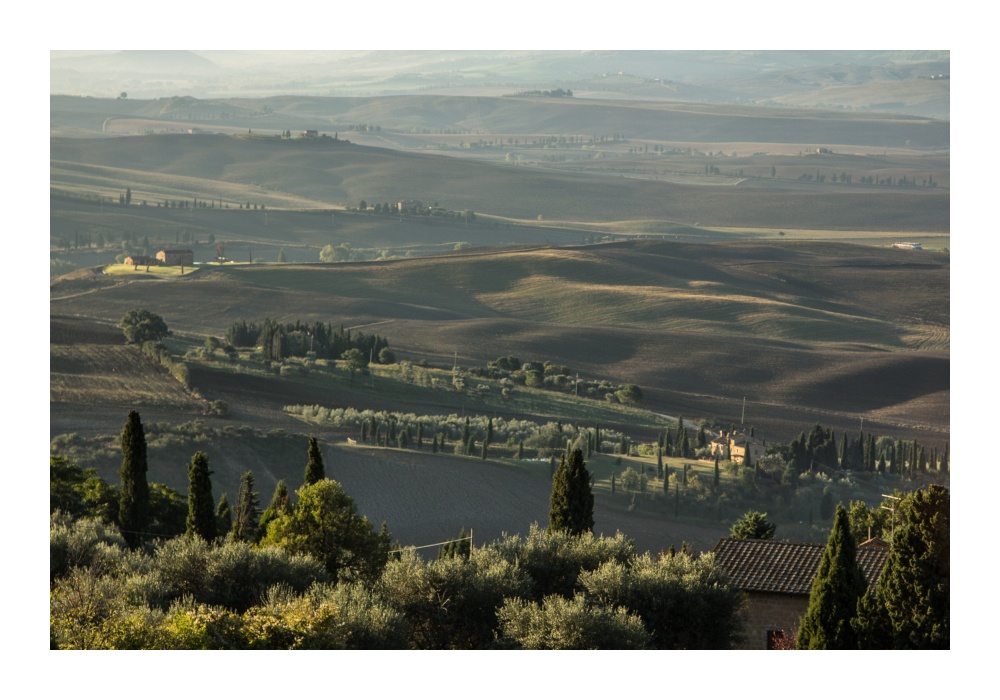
(328, 173)
(807, 332)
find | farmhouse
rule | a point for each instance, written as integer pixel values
(735, 446)
(907, 246)
(409, 205)
(310, 134)
(176, 257)
(777, 577)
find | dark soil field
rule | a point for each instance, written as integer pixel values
(828, 333)
(331, 173)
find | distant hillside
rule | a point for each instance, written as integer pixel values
(806, 332)
(303, 173)
(718, 76)
(668, 121)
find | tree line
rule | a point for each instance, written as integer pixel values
(296, 339)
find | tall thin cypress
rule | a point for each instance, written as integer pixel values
(201, 510)
(223, 516)
(247, 510)
(277, 507)
(314, 469)
(571, 504)
(133, 501)
(838, 585)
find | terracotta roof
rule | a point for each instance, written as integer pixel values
(776, 566)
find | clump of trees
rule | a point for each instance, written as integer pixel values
(140, 325)
(280, 340)
(556, 377)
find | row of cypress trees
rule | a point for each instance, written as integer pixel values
(204, 517)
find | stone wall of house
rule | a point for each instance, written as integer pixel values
(771, 611)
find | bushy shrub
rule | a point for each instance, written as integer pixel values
(452, 603)
(558, 623)
(74, 543)
(367, 621)
(554, 560)
(686, 603)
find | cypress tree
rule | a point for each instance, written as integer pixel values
(612, 483)
(659, 462)
(911, 608)
(434, 444)
(520, 449)
(201, 511)
(420, 436)
(133, 501)
(314, 469)
(836, 589)
(223, 516)
(247, 511)
(571, 504)
(715, 479)
(278, 506)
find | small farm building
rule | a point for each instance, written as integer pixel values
(176, 257)
(777, 577)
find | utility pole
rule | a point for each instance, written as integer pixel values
(892, 509)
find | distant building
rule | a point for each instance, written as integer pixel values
(176, 257)
(310, 134)
(409, 205)
(734, 447)
(777, 578)
(908, 246)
